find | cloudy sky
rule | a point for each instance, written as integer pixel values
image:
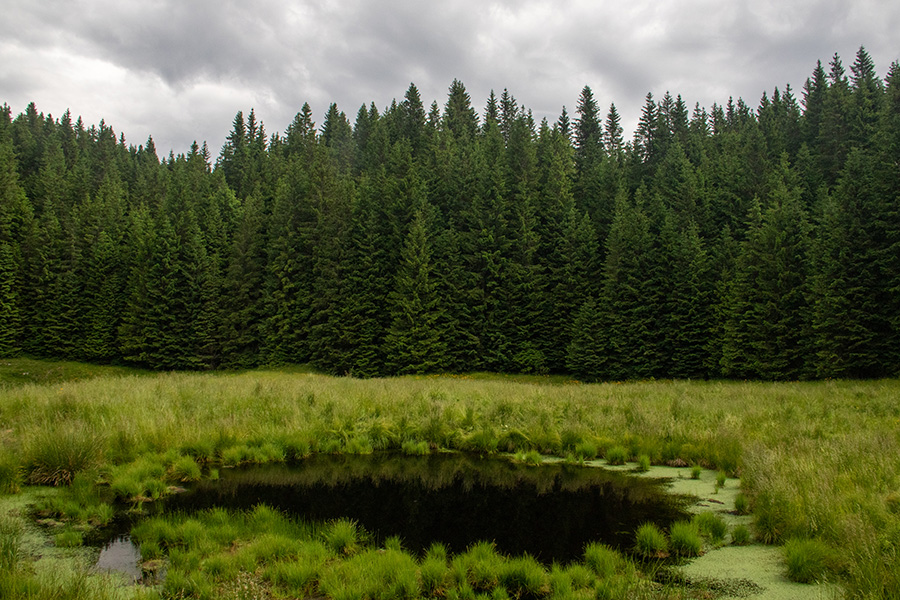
(179, 70)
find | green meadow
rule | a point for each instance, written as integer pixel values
(819, 464)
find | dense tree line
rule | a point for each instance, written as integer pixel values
(728, 242)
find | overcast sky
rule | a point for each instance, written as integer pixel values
(179, 70)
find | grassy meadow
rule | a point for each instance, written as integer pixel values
(818, 461)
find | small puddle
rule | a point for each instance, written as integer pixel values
(550, 512)
(120, 555)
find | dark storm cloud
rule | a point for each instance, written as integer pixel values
(180, 70)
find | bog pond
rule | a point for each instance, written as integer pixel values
(549, 511)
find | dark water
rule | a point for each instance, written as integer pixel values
(550, 511)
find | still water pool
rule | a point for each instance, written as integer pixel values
(550, 511)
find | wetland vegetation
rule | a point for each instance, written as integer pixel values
(817, 462)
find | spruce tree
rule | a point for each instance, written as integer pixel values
(414, 343)
(768, 324)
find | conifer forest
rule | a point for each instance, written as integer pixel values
(731, 241)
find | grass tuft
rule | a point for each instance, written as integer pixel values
(342, 536)
(740, 535)
(712, 526)
(684, 539)
(603, 560)
(57, 453)
(807, 561)
(650, 542)
(617, 455)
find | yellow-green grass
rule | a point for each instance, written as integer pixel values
(816, 459)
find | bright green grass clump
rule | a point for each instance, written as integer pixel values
(604, 561)
(650, 542)
(617, 455)
(342, 536)
(712, 526)
(740, 535)
(684, 538)
(68, 539)
(807, 561)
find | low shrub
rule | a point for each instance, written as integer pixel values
(684, 539)
(806, 560)
(721, 478)
(696, 471)
(741, 504)
(617, 455)
(650, 542)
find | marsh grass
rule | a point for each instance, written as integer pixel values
(684, 539)
(56, 454)
(617, 455)
(604, 561)
(10, 543)
(643, 463)
(68, 539)
(387, 575)
(740, 535)
(650, 542)
(807, 561)
(827, 476)
(712, 526)
(342, 536)
(414, 448)
(10, 472)
(532, 458)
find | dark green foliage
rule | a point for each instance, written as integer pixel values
(738, 242)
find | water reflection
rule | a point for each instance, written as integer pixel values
(119, 555)
(550, 512)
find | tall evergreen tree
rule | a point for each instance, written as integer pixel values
(414, 343)
(768, 325)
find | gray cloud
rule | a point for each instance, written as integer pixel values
(181, 70)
